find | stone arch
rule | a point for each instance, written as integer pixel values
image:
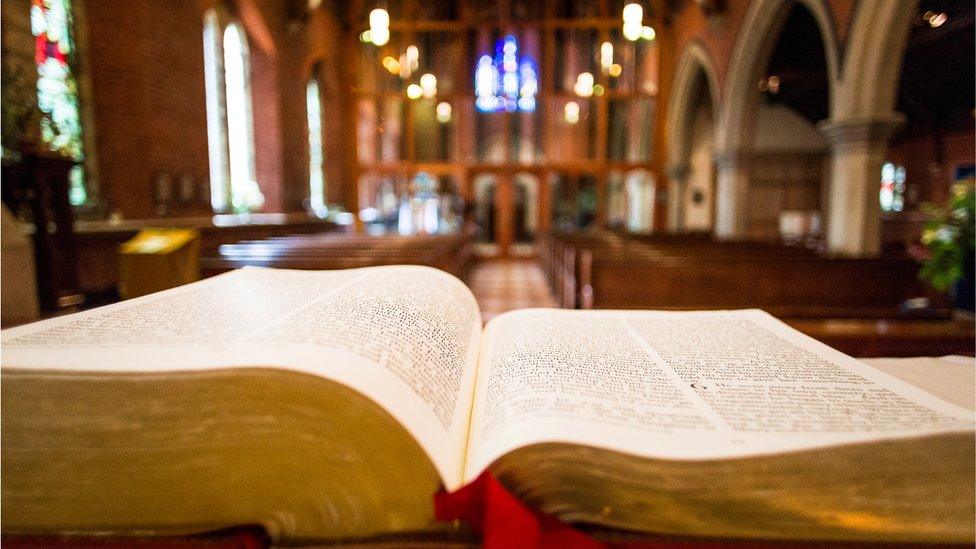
(694, 70)
(872, 62)
(756, 40)
(753, 48)
(695, 77)
(862, 121)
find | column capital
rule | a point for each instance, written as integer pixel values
(861, 132)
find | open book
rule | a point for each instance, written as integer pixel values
(334, 404)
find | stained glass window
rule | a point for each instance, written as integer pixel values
(892, 194)
(57, 87)
(316, 179)
(506, 83)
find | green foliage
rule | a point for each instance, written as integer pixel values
(950, 237)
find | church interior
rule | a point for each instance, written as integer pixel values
(815, 159)
(496, 139)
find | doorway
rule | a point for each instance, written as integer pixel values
(507, 211)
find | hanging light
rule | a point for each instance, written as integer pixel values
(379, 18)
(381, 36)
(413, 57)
(648, 33)
(606, 56)
(379, 26)
(936, 19)
(443, 112)
(428, 84)
(391, 65)
(571, 112)
(584, 85)
(633, 16)
(414, 91)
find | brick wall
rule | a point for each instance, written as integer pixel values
(148, 102)
(931, 161)
(146, 99)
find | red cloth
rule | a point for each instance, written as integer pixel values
(503, 521)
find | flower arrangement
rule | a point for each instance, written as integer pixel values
(950, 238)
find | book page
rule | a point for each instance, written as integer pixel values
(682, 385)
(406, 337)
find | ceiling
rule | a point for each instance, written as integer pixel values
(936, 88)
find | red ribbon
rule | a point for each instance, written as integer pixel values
(504, 521)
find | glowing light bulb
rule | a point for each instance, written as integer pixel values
(379, 18)
(633, 13)
(633, 21)
(413, 57)
(443, 112)
(380, 35)
(584, 85)
(648, 33)
(428, 83)
(379, 27)
(615, 70)
(632, 31)
(414, 91)
(366, 37)
(571, 112)
(938, 19)
(606, 55)
(391, 64)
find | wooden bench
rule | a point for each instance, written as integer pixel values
(788, 287)
(560, 255)
(450, 253)
(854, 305)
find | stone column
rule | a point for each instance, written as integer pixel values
(857, 150)
(677, 184)
(731, 193)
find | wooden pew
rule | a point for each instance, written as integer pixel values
(560, 254)
(793, 287)
(599, 269)
(854, 305)
(450, 253)
(892, 338)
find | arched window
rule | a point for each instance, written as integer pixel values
(316, 153)
(892, 193)
(233, 185)
(57, 87)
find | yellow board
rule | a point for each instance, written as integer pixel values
(158, 259)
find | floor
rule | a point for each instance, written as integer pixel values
(504, 285)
